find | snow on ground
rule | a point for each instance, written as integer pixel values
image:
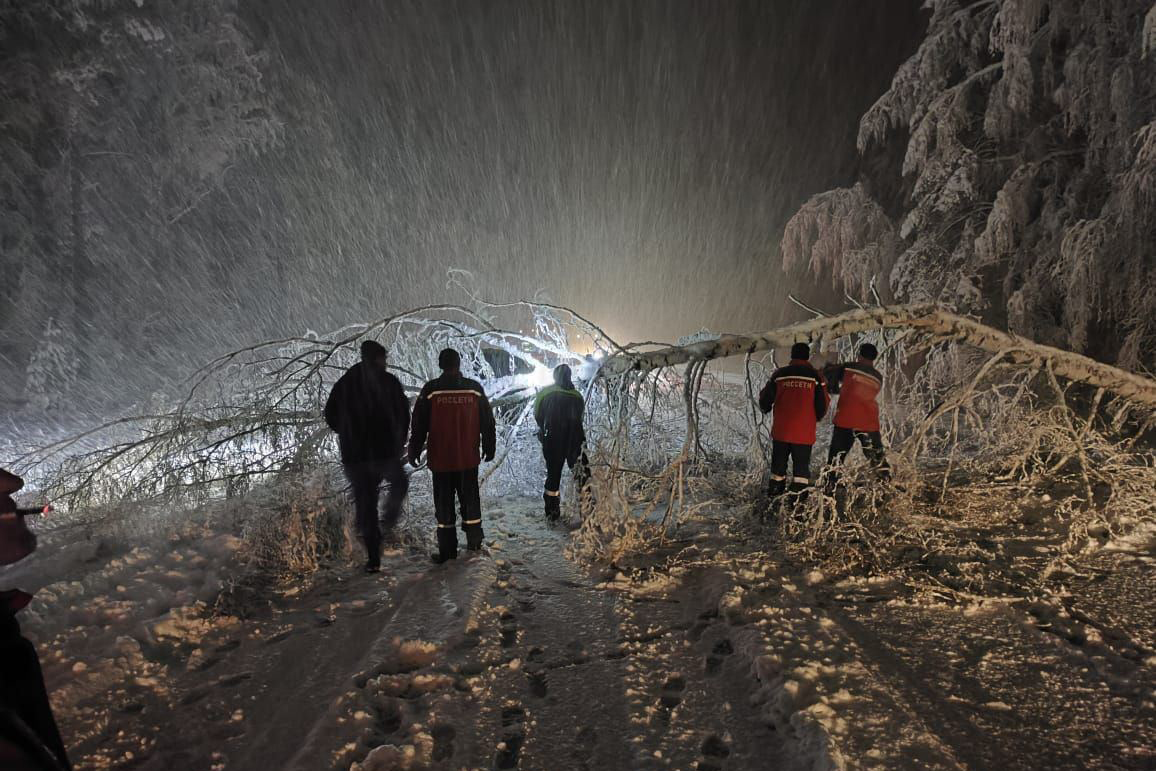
(711, 653)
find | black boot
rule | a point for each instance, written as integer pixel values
(553, 506)
(777, 487)
(447, 545)
(373, 554)
(475, 536)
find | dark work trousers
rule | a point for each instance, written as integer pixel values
(365, 480)
(23, 696)
(558, 458)
(842, 439)
(800, 457)
(463, 485)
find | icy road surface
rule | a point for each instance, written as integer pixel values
(710, 655)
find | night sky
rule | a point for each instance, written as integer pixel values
(636, 161)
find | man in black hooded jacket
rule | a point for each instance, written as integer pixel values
(370, 413)
(558, 411)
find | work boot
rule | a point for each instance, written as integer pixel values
(373, 565)
(474, 537)
(447, 545)
(553, 506)
(777, 487)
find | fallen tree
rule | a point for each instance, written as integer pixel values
(931, 320)
(668, 435)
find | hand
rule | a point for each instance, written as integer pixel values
(489, 456)
(414, 459)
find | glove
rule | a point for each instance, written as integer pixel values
(414, 459)
(489, 456)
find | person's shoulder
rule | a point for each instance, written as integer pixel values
(797, 370)
(470, 384)
(392, 379)
(866, 369)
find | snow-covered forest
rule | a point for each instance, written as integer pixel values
(1013, 178)
(208, 207)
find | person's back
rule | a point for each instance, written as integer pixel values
(368, 410)
(451, 419)
(797, 396)
(455, 422)
(370, 413)
(858, 385)
(558, 411)
(797, 401)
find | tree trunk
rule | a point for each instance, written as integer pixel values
(928, 319)
(81, 270)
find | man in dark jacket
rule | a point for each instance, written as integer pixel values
(798, 397)
(857, 414)
(453, 414)
(29, 738)
(370, 413)
(558, 411)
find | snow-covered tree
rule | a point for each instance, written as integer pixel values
(120, 119)
(51, 377)
(1029, 163)
(842, 236)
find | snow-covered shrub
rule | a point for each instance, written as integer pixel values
(299, 523)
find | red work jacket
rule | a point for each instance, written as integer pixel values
(453, 414)
(798, 396)
(858, 407)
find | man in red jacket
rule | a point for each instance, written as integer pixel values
(452, 412)
(798, 396)
(857, 415)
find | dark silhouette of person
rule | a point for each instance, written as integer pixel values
(857, 384)
(370, 413)
(558, 411)
(451, 418)
(29, 738)
(798, 397)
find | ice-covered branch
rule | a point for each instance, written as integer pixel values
(931, 320)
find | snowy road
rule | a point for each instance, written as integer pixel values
(708, 655)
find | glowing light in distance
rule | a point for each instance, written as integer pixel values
(541, 377)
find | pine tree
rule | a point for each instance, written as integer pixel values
(1031, 163)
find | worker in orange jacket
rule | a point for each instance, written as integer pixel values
(797, 395)
(857, 384)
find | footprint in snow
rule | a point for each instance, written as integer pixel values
(714, 661)
(513, 736)
(538, 685)
(672, 689)
(714, 750)
(508, 629)
(443, 741)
